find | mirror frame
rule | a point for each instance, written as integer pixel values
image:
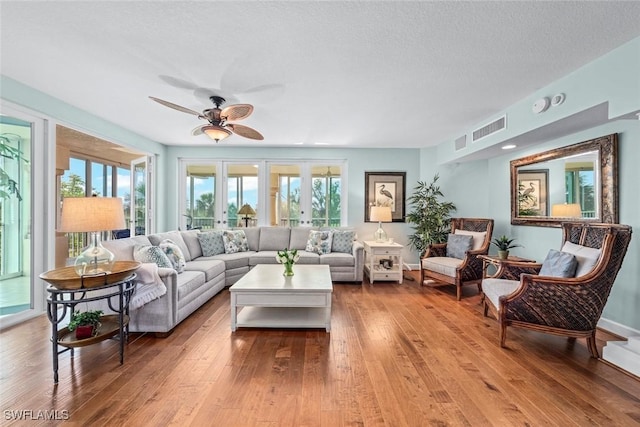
(607, 148)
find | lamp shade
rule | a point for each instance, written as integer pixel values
(380, 214)
(246, 209)
(566, 210)
(216, 132)
(86, 214)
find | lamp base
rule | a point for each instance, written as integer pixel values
(380, 234)
(95, 259)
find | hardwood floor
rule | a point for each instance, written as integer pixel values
(397, 355)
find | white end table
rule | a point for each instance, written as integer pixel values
(383, 261)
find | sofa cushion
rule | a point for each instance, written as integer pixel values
(231, 261)
(587, 257)
(319, 241)
(148, 253)
(174, 236)
(308, 258)
(253, 237)
(559, 264)
(190, 238)
(263, 257)
(188, 282)
(123, 248)
(478, 237)
(458, 245)
(299, 237)
(493, 289)
(342, 241)
(234, 241)
(338, 259)
(211, 268)
(211, 242)
(174, 254)
(274, 238)
(442, 265)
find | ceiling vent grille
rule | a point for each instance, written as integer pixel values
(461, 143)
(490, 129)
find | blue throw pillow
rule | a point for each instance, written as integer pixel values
(154, 254)
(458, 245)
(211, 243)
(559, 264)
(343, 241)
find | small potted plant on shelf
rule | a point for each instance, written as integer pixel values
(503, 244)
(85, 323)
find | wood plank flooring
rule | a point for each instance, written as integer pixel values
(397, 355)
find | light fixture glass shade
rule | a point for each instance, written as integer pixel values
(92, 215)
(380, 214)
(215, 132)
(567, 210)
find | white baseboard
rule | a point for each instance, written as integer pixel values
(617, 328)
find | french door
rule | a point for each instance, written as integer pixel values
(141, 206)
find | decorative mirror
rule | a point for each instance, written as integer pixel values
(577, 182)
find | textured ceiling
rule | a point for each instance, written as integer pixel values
(354, 74)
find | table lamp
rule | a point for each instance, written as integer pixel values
(246, 210)
(380, 214)
(567, 210)
(92, 215)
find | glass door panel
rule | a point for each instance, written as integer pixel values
(284, 195)
(201, 196)
(242, 189)
(15, 215)
(326, 191)
(141, 217)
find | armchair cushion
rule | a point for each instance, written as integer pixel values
(442, 265)
(478, 237)
(458, 245)
(559, 264)
(493, 289)
(586, 257)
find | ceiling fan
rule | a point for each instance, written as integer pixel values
(219, 126)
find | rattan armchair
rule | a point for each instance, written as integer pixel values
(561, 306)
(444, 270)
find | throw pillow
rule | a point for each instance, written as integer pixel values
(174, 253)
(478, 237)
(559, 264)
(235, 241)
(211, 243)
(319, 242)
(587, 257)
(458, 245)
(147, 253)
(343, 241)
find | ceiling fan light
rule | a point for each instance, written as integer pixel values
(216, 132)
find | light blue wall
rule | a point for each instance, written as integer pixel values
(482, 187)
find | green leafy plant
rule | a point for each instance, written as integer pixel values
(431, 216)
(504, 243)
(91, 317)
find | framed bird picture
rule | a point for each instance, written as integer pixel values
(533, 192)
(385, 189)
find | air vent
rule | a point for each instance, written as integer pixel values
(490, 129)
(461, 143)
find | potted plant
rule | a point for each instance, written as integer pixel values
(503, 244)
(431, 216)
(85, 323)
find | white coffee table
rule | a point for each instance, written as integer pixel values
(264, 298)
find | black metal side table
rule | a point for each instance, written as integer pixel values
(118, 295)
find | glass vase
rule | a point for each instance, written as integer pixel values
(288, 269)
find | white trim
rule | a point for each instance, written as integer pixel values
(617, 328)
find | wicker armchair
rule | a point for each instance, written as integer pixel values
(560, 306)
(446, 270)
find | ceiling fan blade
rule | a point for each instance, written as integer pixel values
(245, 131)
(236, 112)
(175, 106)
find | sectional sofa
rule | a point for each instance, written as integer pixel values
(207, 272)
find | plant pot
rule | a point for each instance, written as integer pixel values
(503, 254)
(84, 332)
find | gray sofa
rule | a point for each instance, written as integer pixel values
(205, 276)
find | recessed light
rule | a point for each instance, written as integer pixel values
(508, 146)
